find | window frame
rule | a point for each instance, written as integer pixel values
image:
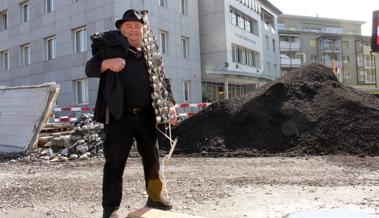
(52, 5)
(3, 66)
(185, 43)
(184, 7)
(163, 49)
(3, 24)
(85, 92)
(186, 91)
(78, 49)
(245, 56)
(25, 49)
(47, 53)
(22, 14)
(162, 3)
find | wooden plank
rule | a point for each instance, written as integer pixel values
(153, 213)
(44, 139)
(58, 125)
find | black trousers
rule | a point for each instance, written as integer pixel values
(119, 135)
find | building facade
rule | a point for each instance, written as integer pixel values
(304, 40)
(48, 40)
(239, 46)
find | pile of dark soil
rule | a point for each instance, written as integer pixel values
(306, 112)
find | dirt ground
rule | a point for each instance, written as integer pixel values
(210, 187)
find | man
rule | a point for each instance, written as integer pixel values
(125, 107)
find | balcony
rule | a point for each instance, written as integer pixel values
(369, 66)
(366, 49)
(290, 62)
(330, 49)
(330, 63)
(290, 46)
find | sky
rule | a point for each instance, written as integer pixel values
(342, 9)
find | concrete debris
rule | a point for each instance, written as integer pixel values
(68, 142)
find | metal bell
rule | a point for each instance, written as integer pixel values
(155, 78)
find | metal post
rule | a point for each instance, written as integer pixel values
(226, 88)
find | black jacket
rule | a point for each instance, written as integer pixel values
(106, 45)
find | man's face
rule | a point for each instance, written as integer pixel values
(133, 31)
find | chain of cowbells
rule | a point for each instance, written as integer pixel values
(156, 73)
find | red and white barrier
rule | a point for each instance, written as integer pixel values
(72, 109)
(65, 119)
(89, 109)
(188, 105)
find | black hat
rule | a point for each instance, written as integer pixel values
(129, 15)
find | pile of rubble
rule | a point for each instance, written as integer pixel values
(64, 142)
(306, 112)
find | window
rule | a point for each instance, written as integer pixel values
(346, 59)
(81, 91)
(345, 44)
(313, 58)
(185, 47)
(50, 48)
(25, 54)
(184, 7)
(163, 3)
(267, 42)
(243, 21)
(361, 76)
(80, 40)
(24, 12)
(240, 21)
(49, 6)
(4, 60)
(163, 42)
(3, 20)
(366, 77)
(233, 17)
(312, 43)
(186, 90)
(273, 45)
(267, 18)
(245, 56)
(254, 28)
(234, 54)
(347, 75)
(248, 25)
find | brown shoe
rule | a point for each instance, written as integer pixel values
(162, 204)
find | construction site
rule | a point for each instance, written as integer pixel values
(189, 109)
(304, 143)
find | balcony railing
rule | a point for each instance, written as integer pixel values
(330, 49)
(292, 62)
(330, 63)
(366, 49)
(289, 46)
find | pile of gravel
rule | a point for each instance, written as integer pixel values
(306, 112)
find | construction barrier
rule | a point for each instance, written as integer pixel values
(182, 111)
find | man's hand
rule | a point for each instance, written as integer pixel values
(172, 112)
(113, 64)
